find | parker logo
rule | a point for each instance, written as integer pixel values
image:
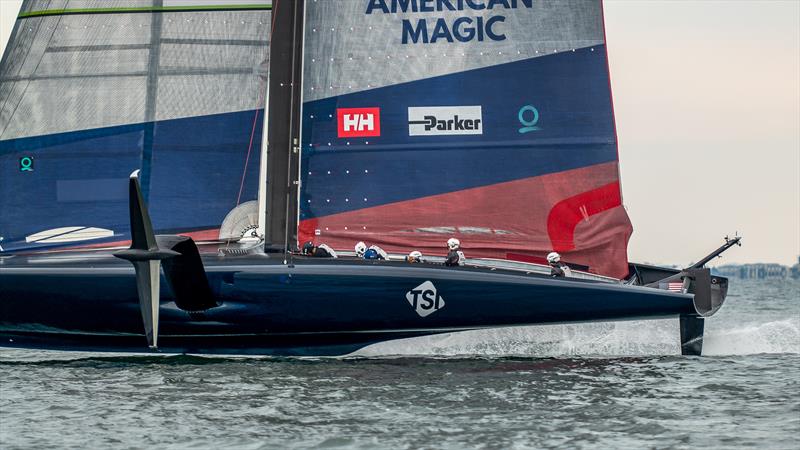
(424, 299)
(444, 120)
(358, 122)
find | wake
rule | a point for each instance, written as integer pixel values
(636, 338)
(782, 336)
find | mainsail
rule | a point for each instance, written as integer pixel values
(92, 90)
(487, 120)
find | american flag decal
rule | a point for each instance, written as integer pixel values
(673, 286)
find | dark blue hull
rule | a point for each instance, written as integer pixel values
(310, 307)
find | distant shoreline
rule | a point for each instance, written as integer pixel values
(759, 271)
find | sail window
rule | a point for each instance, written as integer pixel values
(68, 234)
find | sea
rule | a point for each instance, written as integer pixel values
(600, 386)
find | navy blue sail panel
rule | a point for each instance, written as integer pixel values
(574, 129)
(77, 179)
(89, 95)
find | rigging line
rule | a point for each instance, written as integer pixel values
(274, 13)
(247, 159)
(259, 101)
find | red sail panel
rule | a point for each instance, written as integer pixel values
(525, 217)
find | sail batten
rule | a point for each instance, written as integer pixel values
(196, 7)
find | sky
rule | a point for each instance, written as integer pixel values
(707, 104)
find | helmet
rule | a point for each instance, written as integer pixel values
(553, 257)
(414, 256)
(361, 247)
(453, 243)
(308, 248)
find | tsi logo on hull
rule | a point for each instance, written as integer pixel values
(444, 120)
(424, 299)
(358, 122)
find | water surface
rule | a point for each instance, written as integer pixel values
(613, 385)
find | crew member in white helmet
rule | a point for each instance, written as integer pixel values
(414, 257)
(557, 268)
(455, 257)
(361, 248)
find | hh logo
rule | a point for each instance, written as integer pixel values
(424, 299)
(358, 122)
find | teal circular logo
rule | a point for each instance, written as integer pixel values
(525, 113)
(26, 164)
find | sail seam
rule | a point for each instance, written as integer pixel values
(101, 48)
(165, 72)
(142, 10)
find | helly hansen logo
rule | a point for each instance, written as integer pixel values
(358, 122)
(424, 299)
(444, 120)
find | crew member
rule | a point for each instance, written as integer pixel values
(319, 251)
(455, 257)
(361, 248)
(557, 268)
(414, 257)
(375, 252)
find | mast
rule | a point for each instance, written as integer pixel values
(283, 136)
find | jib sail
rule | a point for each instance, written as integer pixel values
(490, 121)
(92, 90)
